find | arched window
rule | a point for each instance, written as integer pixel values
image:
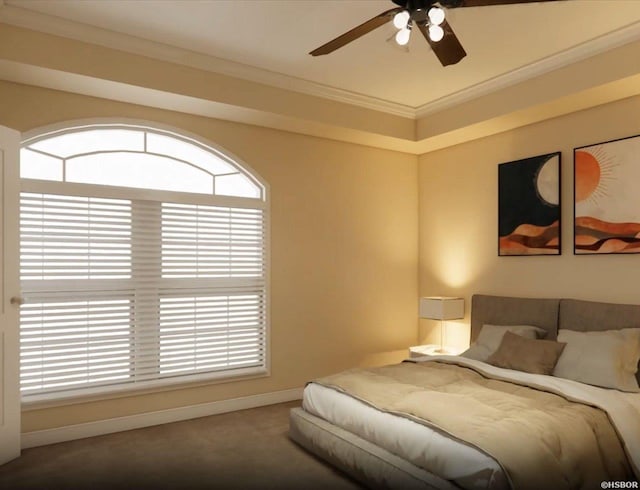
(143, 258)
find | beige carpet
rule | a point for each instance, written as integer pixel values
(239, 450)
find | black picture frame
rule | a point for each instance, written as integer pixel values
(530, 206)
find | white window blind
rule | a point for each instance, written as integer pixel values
(69, 340)
(67, 237)
(206, 241)
(124, 292)
(211, 331)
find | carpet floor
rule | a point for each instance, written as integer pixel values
(247, 450)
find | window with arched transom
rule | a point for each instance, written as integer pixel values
(143, 261)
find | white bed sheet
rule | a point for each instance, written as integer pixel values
(448, 458)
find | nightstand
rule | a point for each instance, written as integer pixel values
(430, 350)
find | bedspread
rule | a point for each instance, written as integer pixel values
(540, 438)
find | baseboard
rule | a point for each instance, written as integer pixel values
(108, 426)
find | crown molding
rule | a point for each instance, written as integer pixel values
(606, 42)
(58, 26)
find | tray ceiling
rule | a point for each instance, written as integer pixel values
(268, 40)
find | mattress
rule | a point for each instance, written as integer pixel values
(439, 454)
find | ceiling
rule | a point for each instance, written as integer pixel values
(268, 40)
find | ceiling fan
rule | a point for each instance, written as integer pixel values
(428, 16)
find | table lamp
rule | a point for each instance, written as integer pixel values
(441, 308)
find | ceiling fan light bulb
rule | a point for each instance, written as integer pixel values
(436, 16)
(400, 19)
(402, 36)
(436, 33)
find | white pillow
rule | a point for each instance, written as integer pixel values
(490, 337)
(608, 359)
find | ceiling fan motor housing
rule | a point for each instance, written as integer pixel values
(425, 5)
(419, 9)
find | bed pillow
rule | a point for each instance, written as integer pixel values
(608, 359)
(490, 337)
(528, 355)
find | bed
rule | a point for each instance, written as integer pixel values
(440, 438)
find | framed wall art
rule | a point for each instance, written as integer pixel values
(607, 197)
(529, 206)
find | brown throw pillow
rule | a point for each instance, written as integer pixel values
(528, 355)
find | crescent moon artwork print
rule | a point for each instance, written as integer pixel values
(607, 197)
(529, 206)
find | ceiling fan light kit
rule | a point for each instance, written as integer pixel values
(403, 21)
(430, 18)
(436, 33)
(403, 35)
(436, 16)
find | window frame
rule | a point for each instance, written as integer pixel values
(59, 398)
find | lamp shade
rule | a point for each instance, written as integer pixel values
(441, 308)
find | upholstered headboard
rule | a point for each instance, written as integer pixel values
(501, 310)
(589, 316)
(552, 314)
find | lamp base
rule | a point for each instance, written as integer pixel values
(442, 350)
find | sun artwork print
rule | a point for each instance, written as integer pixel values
(607, 201)
(529, 206)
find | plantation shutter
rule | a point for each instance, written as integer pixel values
(75, 326)
(211, 327)
(123, 292)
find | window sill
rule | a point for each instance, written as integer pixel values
(60, 399)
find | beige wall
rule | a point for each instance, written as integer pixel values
(348, 225)
(458, 219)
(343, 249)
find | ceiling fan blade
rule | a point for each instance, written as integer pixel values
(483, 3)
(356, 32)
(448, 50)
